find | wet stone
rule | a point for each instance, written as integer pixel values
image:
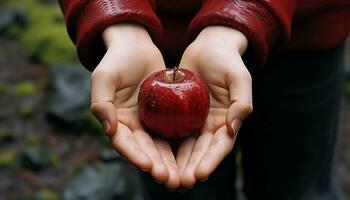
(69, 92)
(109, 155)
(36, 158)
(105, 181)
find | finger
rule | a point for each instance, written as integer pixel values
(159, 171)
(103, 89)
(167, 155)
(188, 176)
(240, 91)
(125, 144)
(184, 153)
(220, 146)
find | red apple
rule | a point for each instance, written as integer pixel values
(173, 103)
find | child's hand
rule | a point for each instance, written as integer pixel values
(130, 58)
(216, 57)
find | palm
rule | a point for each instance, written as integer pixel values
(131, 57)
(213, 130)
(125, 100)
(130, 129)
(115, 86)
(219, 102)
(224, 73)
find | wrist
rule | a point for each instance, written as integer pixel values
(224, 36)
(125, 33)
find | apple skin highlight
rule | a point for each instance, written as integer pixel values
(173, 103)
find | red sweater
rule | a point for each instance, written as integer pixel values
(269, 25)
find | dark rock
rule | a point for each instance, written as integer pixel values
(36, 158)
(109, 155)
(6, 136)
(69, 92)
(105, 181)
(10, 17)
(10, 185)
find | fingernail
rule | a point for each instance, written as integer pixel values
(145, 170)
(236, 125)
(106, 126)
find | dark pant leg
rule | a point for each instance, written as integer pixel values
(288, 142)
(219, 186)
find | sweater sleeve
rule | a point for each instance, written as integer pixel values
(266, 24)
(86, 20)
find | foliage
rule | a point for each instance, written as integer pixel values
(46, 194)
(44, 36)
(24, 88)
(7, 159)
(3, 88)
(33, 139)
(26, 110)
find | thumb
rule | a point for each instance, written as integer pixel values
(105, 112)
(240, 91)
(236, 113)
(102, 96)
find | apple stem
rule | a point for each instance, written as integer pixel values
(174, 74)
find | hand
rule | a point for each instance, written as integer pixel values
(130, 58)
(215, 56)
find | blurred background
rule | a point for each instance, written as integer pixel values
(51, 147)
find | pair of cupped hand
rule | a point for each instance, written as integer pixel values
(215, 55)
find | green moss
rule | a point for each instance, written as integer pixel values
(3, 88)
(45, 38)
(26, 110)
(49, 46)
(24, 88)
(13, 30)
(7, 159)
(46, 194)
(33, 139)
(54, 159)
